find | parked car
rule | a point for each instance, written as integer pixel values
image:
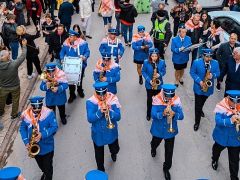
(229, 20)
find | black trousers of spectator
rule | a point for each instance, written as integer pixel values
(67, 26)
(99, 153)
(72, 88)
(199, 103)
(169, 146)
(45, 164)
(35, 19)
(150, 94)
(33, 60)
(194, 55)
(61, 109)
(76, 5)
(160, 47)
(233, 158)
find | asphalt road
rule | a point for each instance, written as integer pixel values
(74, 153)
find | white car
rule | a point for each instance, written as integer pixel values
(212, 4)
(229, 20)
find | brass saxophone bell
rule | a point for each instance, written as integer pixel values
(43, 76)
(171, 130)
(110, 126)
(34, 150)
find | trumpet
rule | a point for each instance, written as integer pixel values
(169, 118)
(155, 81)
(110, 125)
(207, 82)
(45, 76)
(34, 148)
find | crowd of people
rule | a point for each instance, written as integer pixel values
(193, 32)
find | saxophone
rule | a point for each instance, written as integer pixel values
(237, 124)
(110, 125)
(207, 82)
(169, 117)
(155, 81)
(45, 76)
(34, 148)
(102, 73)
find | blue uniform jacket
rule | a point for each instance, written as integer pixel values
(225, 132)
(198, 73)
(112, 75)
(80, 48)
(115, 48)
(160, 126)
(140, 54)
(177, 56)
(101, 135)
(147, 72)
(47, 126)
(55, 99)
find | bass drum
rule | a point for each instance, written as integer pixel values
(72, 66)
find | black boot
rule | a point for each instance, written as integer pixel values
(114, 157)
(81, 93)
(43, 177)
(167, 174)
(64, 120)
(153, 152)
(214, 165)
(140, 80)
(196, 126)
(28, 22)
(71, 98)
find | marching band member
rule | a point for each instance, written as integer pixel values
(112, 44)
(103, 112)
(141, 44)
(107, 71)
(55, 85)
(75, 47)
(11, 173)
(180, 58)
(226, 133)
(203, 71)
(166, 111)
(37, 128)
(161, 32)
(153, 71)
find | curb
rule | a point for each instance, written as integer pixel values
(6, 146)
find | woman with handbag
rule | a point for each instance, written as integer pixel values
(32, 50)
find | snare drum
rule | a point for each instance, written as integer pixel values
(72, 66)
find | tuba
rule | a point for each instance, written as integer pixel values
(169, 118)
(207, 82)
(155, 81)
(48, 78)
(34, 148)
(110, 125)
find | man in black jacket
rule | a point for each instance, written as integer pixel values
(232, 70)
(65, 13)
(225, 51)
(56, 41)
(127, 19)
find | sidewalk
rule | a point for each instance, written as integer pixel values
(10, 126)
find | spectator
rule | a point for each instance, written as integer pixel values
(77, 29)
(34, 10)
(32, 51)
(161, 7)
(198, 9)
(117, 15)
(9, 80)
(215, 36)
(232, 70)
(48, 27)
(236, 6)
(127, 19)
(55, 43)
(194, 30)
(76, 5)
(155, 4)
(86, 16)
(65, 13)
(107, 10)
(231, 4)
(18, 11)
(225, 51)
(10, 36)
(180, 16)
